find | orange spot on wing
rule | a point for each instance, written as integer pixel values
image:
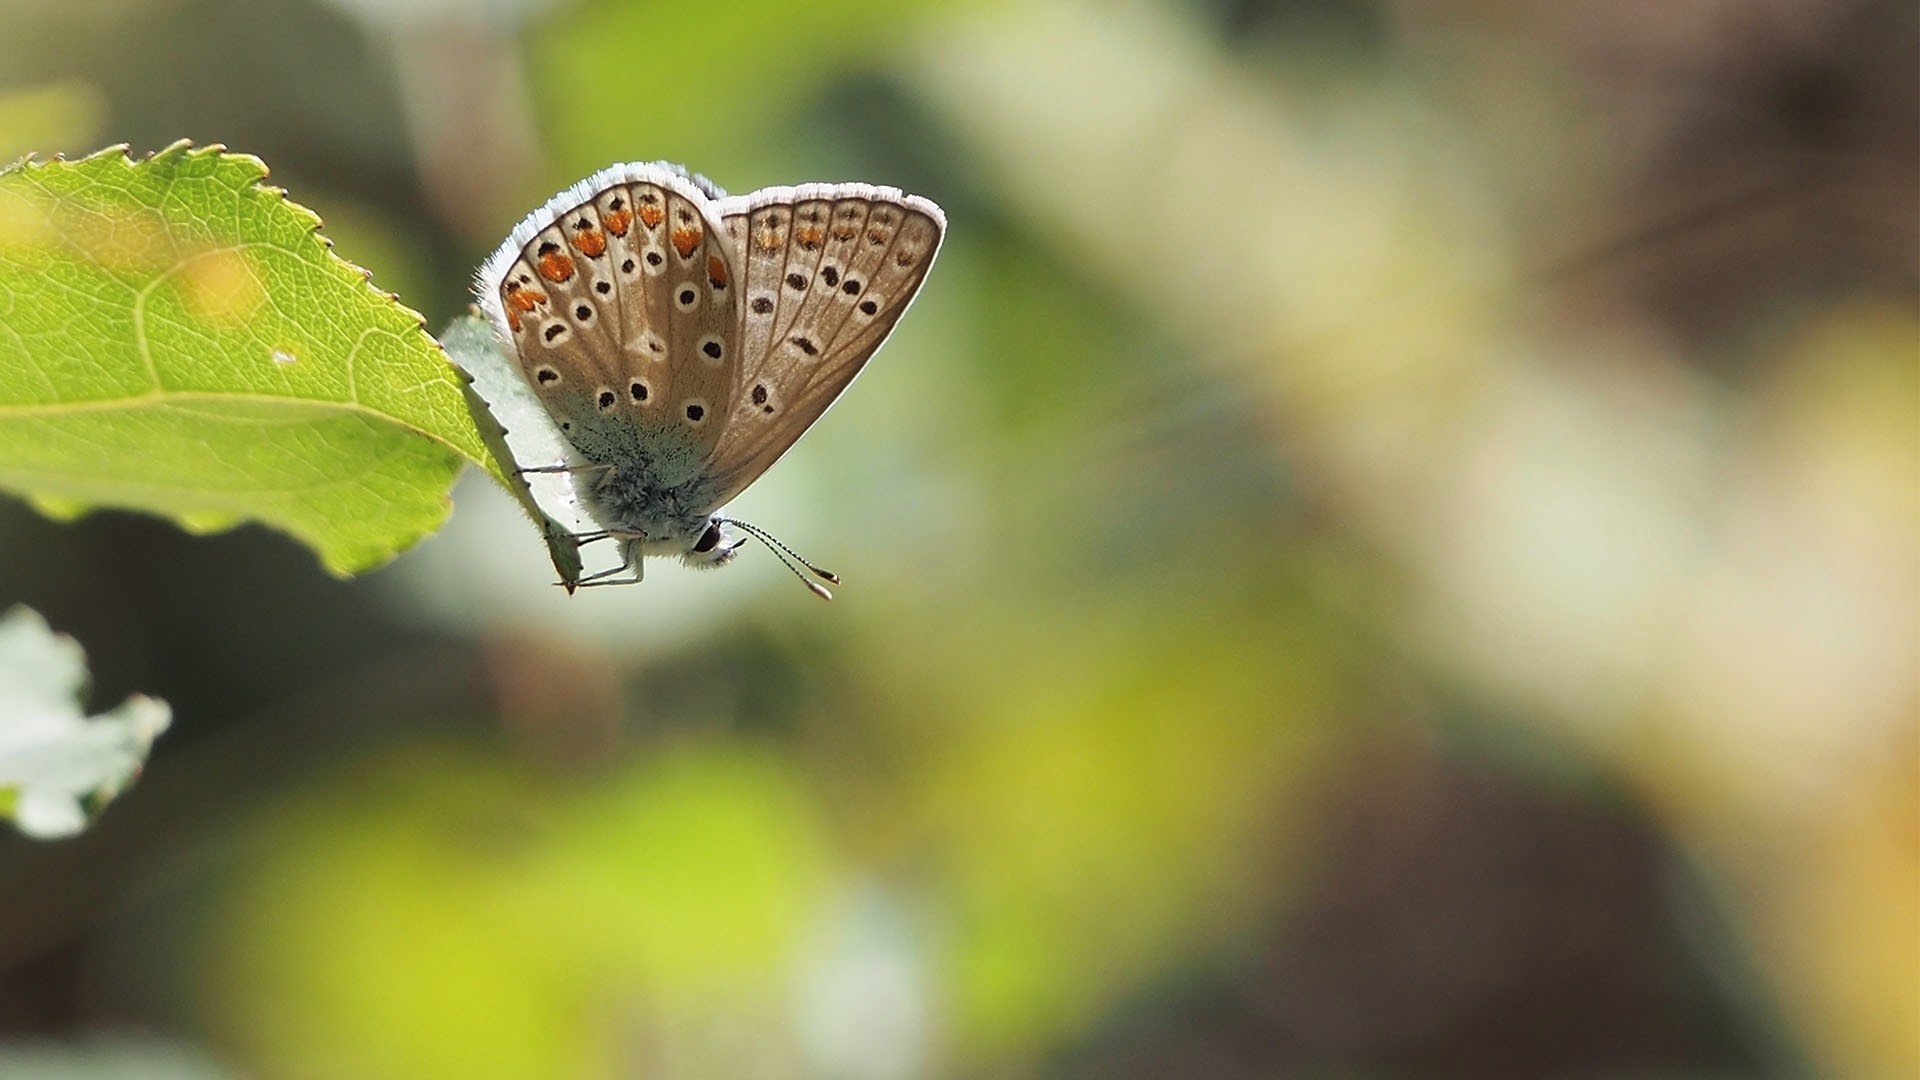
(810, 237)
(685, 240)
(843, 232)
(771, 240)
(716, 271)
(876, 237)
(591, 242)
(556, 267)
(519, 299)
(651, 215)
(513, 320)
(617, 221)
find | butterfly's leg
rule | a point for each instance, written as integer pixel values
(605, 577)
(606, 534)
(609, 576)
(563, 469)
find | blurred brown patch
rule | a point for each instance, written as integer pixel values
(1457, 921)
(1771, 152)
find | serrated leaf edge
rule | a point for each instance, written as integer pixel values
(185, 148)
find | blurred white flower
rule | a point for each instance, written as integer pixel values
(52, 757)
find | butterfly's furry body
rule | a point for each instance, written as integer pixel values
(682, 340)
(656, 519)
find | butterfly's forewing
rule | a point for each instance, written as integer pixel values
(828, 270)
(620, 300)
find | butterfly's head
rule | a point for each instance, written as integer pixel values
(713, 548)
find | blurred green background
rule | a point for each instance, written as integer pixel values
(1387, 547)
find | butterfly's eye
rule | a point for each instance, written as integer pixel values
(708, 540)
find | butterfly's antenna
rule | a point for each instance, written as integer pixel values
(788, 557)
(768, 538)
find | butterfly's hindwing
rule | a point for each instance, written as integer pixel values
(829, 270)
(617, 305)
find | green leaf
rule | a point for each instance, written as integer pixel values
(55, 763)
(176, 338)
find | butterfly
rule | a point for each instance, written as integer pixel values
(683, 340)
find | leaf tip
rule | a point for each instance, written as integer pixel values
(123, 151)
